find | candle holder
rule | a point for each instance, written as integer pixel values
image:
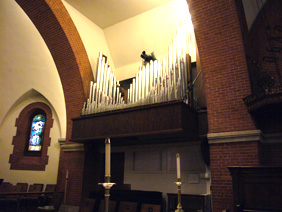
(179, 206)
(107, 185)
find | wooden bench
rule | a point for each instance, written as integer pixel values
(124, 201)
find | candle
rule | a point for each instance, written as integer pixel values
(67, 174)
(178, 165)
(107, 157)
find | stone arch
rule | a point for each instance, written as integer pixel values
(57, 29)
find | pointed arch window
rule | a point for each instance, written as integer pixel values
(32, 140)
(37, 126)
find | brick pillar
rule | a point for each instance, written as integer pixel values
(233, 138)
(241, 148)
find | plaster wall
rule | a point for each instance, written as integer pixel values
(151, 31)
(8, 130)
(26, 63)
(27, 74)
(153, 168)
(92, 36)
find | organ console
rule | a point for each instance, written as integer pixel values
(158, 80)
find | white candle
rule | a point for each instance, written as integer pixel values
(67, 174)
(107, 157)
(178, 165)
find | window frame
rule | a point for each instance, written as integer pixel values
(20, 159)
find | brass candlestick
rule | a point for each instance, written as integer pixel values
(179, 206)
(107, 185)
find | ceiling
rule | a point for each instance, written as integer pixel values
(106, 13)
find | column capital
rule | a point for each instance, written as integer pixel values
(235, 136)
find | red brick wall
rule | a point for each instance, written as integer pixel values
(259, 40)
(74, 163)
(223, 61)
(60, 35)
(222, 156)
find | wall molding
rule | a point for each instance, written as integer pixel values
(72, 147)
(235, 136)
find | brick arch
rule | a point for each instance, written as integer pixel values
(57, 29)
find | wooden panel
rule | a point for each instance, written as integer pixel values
(127, 206)
(150, 208)
(190, 202)
(112, 206)
(174, 118)
(130, 200)
(87, 205)
(257, 188)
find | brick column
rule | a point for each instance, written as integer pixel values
(232, 135)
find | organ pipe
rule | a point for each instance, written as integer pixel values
(156, 81)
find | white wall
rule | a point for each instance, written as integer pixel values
(26, 63)
(8, 130)
(92, 37)
(153, 168)
(27, 74)
(151, 31)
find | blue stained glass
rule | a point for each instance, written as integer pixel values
(36, 133)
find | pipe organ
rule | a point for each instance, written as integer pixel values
(157, 81)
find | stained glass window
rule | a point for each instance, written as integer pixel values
(36, 133)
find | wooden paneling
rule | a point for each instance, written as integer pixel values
(150, 122)
(190, 202)
(257, 188)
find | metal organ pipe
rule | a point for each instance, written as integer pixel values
(156, 81)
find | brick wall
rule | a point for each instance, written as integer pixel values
(223, 156)
(74, 163)
(60, 35)
(266, 25)
(222, 53)
(223, 61)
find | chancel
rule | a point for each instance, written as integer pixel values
(140, 106)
